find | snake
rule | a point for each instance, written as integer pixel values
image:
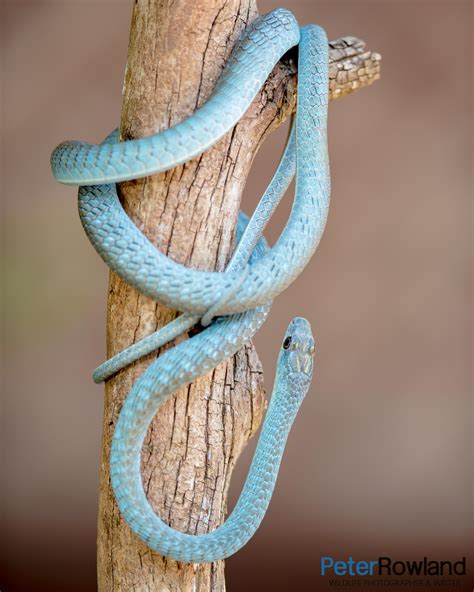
(230, 306)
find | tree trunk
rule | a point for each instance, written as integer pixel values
(177, 50)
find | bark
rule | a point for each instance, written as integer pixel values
(176, 53)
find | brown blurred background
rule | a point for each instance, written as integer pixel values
(378, 462)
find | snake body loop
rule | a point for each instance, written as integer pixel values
(240, 297)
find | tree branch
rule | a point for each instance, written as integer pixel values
(351, 68)
(177, 50)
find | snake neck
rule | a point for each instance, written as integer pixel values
(288, 394)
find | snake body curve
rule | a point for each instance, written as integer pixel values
(240, 297)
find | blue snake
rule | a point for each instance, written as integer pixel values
(231, 305)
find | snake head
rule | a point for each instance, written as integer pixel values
(298, 347)
(295, 364)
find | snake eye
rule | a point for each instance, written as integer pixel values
(287, 342)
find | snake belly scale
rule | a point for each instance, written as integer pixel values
(232, 305)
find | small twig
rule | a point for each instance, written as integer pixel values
(350, 66)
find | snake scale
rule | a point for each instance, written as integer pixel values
(231, 305)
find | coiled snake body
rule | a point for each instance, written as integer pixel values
(240, 298)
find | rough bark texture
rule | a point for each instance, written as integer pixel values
(176, 53)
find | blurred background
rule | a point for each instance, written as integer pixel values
(378, 462)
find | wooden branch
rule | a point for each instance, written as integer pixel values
(176, 53)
